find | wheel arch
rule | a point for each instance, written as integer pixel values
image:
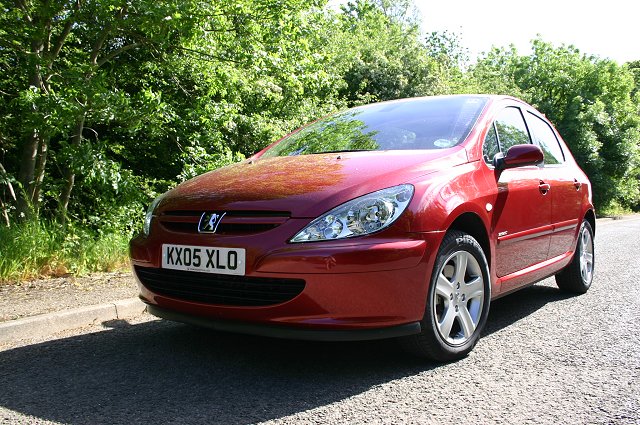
(472, 224)
(590, 216)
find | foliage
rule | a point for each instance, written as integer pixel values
(39, 248)
(634, 67)
(384, 57)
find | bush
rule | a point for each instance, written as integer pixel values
(44, 248)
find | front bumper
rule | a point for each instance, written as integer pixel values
(366, 290)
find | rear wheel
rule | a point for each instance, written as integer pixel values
(457, 303)
(578, 275)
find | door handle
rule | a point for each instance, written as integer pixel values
(544, 187)
(577, 184)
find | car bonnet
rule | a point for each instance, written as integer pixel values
(306, 185)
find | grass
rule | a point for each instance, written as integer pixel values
(46, 249)
(614, 210)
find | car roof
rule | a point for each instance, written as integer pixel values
(491, 98)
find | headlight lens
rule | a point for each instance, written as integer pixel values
(361, 216)
(149, 216)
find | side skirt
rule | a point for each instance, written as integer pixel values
(532, 274)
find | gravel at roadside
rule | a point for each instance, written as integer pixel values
(30, 298)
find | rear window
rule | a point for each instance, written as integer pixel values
(544, 136)
(422, 123)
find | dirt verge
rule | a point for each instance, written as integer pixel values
(41, 296)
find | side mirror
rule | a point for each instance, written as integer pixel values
(518, 156)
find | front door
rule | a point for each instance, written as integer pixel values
(522, 220)
(522, 210)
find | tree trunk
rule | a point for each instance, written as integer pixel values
(27, 171)
(39, 173)
(70, 176)
(26, 174)
(5, 214)
(3, 207)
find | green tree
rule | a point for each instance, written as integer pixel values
(493, 73)
(399, 11)
(98, 81)
(59, 53)
(634, 67)
(384, 57)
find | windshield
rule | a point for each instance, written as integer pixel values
(421, 123)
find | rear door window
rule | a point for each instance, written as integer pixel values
(544, 136)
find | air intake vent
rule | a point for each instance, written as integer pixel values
(219, 289)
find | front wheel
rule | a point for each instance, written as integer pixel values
(578, 275)
(457, 302)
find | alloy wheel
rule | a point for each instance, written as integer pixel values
(459, 298)
(586, 256)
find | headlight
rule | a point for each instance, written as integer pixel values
(147, 218)
(361, 216)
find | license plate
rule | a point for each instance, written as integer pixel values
(204, 259)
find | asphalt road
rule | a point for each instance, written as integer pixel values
(545, 358)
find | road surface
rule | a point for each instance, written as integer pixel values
(545, 358)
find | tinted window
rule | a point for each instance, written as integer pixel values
(490, 147)
(544, 136)
(511, 128)
(422, 123)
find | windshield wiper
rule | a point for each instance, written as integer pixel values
(346, 150)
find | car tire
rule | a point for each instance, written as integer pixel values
(578, 275)
(457, 301)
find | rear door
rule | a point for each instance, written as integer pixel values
(565, 190)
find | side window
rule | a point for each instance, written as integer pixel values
(544, 137)
(490, 147)
(511, 128)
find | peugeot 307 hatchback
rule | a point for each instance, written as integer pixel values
(397, 219)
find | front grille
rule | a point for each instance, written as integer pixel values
(219, 289)
(233, 223)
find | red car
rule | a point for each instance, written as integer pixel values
(396, 219)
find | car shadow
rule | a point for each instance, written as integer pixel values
(509, 309)
(163, 372)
